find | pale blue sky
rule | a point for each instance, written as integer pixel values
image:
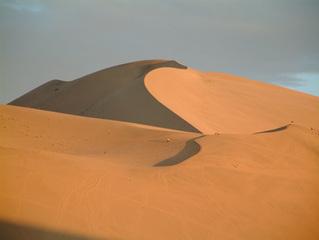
(269, 40)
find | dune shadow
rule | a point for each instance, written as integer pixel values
(117, 93)
(15, 231)
(190, 149)
(274, 129)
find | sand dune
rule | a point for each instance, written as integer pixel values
(252, 172)
(219, 102)
(116, 93)
(154, 92)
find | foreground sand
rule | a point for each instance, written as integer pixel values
(69, 177)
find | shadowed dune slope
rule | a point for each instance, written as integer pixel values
(219, 102)
(116, 93)
(67, 176)
(22, 231)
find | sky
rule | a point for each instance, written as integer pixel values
(275, 41)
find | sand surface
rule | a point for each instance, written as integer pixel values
(219, 102)
(66, 176)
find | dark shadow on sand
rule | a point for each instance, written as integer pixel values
(190, 149)
(274, 130)
(14, 231)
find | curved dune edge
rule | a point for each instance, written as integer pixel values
(190, 149)
(116, 93)
(219, 102)
(282, 128)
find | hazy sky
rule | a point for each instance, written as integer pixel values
(270, 40)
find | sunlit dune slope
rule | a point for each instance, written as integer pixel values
(220, 102)
(98, 179)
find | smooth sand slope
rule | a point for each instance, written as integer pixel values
(219, 102)
(250, 174)
(116, 93)
(69, 177)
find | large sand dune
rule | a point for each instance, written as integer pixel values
(116, 93)
(166, 94)
(251, 173)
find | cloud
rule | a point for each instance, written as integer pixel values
(23, 6)
(302, 81)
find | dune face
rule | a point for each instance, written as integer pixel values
(116, 93)
(251, 173)
(219, 102)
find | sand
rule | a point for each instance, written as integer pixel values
(220, 102)
(65, 176)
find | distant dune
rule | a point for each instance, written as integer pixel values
(155, 150)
